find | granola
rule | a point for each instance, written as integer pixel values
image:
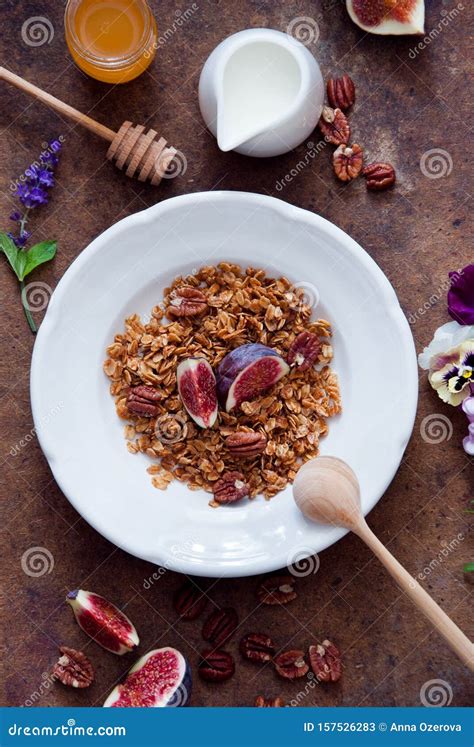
(242, 306)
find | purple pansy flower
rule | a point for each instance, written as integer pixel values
(461, 295)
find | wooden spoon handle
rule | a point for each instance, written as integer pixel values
(453, 635)
(57, 104)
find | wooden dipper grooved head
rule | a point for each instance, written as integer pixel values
(140, 154)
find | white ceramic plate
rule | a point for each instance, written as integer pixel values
(124, 271)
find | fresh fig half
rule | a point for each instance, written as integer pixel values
(247, 372)
(388, 16)
(160, 679)
(103, 622)
(197, 389)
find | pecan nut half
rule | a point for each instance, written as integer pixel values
(231, 487)
(304, 351)
(291, 664)
(189, 601)
(277, 590)
(379, 175)
(325, 660)
(246, 444)
(220, 626)
(257, 647)
(216, 666)
(73, 668)
(261, 702)
(347, 162)
(334, 125)
(186, 301)
(341, 92)
(143, 400)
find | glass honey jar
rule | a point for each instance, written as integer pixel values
(111, 40)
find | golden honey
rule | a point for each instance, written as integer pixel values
(111, 40)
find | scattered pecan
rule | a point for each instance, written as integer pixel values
(379, 175)
(257, 647)
(220, 626)
(325, 660)
(189, 601)
(347, 162)
(334, 125)
(341, 92)
(291, 664)
(73, 668)
(277, 590)
(186, 301)
(216, 666)
(246, 443)
(230, 488)
(261, 702)
(143, 400)
(304, 351)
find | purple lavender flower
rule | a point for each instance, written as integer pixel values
(33, 191)
(20, 241)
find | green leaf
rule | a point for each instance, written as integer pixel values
(468, 568)
(38, 255)
(11, 251)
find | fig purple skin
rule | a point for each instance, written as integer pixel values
(160, 679)
(197, 389)
(247, 372)
(103, 621)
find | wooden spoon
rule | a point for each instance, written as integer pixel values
(327, 490)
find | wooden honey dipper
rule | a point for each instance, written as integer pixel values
(131, 148)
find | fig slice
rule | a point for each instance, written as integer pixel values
(160, 679)
(197, 389)
(388, 16)
(247, 372)
(103, 621)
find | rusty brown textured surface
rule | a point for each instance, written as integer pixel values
(407, 104)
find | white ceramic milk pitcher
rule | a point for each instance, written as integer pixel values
(261, 93)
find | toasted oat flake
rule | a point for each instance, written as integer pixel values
(244, 305)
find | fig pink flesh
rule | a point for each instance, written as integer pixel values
(373, 12)
(255, 380)
(103, 622)
(149, 683)
(197, 388)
